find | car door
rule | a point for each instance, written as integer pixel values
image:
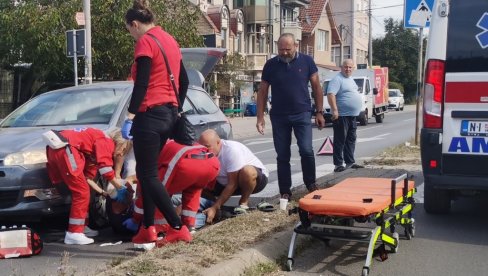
(204, 114)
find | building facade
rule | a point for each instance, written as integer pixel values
(327, 30)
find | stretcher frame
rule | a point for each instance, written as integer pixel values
(326, 228)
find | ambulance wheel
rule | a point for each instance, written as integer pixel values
(436, 201)
(289, 264)
(365, 272)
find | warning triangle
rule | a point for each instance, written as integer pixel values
(327, 147)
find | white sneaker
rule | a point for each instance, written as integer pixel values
(90, 232)
(77, 238)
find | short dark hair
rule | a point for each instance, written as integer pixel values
(141, 12)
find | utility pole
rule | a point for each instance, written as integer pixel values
(270, 29)
(370, 40)
(341, 28)
(88, 54)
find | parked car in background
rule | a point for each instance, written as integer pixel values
(396, 100)
(25, 189)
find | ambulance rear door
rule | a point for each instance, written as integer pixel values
(465, 105)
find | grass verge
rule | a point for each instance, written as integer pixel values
(216, 243)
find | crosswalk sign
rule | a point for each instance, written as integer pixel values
(417, 13)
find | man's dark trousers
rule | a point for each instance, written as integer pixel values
(301, 125)
(344, 140)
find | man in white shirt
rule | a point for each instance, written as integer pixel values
(241, 172)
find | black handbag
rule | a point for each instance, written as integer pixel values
(183, 131)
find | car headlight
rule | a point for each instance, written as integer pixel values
(25, 158)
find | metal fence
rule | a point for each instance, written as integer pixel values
(6, 92)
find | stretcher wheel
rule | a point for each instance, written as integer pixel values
(410, 230)
(394, 249)
(289, 264)
(408, 235)
(365, 272)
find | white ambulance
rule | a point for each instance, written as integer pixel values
(454, 136)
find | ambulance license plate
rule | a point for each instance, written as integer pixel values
(474, 128)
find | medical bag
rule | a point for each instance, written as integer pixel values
(19, 242)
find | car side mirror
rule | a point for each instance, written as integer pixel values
(375, 91)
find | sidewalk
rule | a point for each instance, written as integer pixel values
(244, 127)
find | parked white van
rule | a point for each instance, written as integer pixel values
(454, 136)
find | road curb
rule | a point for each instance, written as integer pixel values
(269, 250)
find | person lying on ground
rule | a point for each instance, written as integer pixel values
(182, 169)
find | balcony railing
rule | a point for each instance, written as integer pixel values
(296, 3)
(292, 27)
(256, 61)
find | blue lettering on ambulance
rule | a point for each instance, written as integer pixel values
(480, 145)
(460, 144)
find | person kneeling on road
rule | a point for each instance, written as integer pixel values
(73, 157)
(241, 173)
(185, 169)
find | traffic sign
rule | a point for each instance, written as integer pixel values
(80, 43)
(417, 13)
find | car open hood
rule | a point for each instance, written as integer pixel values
(202, 60)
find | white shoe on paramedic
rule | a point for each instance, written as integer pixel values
(77, 238)
(90, 232)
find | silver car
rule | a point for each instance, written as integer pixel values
(25, 189)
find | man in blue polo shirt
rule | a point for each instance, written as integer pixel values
(288, 74)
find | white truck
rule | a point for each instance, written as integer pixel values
(373, 87)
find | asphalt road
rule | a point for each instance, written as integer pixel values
(455, 244)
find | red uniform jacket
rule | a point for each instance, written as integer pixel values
(90, 149)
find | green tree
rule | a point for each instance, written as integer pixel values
(228, 71)
(398, 50)
(35, 32)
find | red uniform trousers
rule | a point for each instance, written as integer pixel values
(60, 169)
(188, 176)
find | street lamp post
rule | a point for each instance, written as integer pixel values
(88, 48)
(20, 66)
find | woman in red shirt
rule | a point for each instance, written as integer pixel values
(153, 110)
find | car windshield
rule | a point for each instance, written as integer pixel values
(394, 93)
(66, 108)
(359, 83)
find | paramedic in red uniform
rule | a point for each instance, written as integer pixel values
(182, 169)
(87, 150)
(152, 113)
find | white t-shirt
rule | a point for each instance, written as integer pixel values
(234, 156)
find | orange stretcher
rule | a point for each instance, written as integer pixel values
(358, 209)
